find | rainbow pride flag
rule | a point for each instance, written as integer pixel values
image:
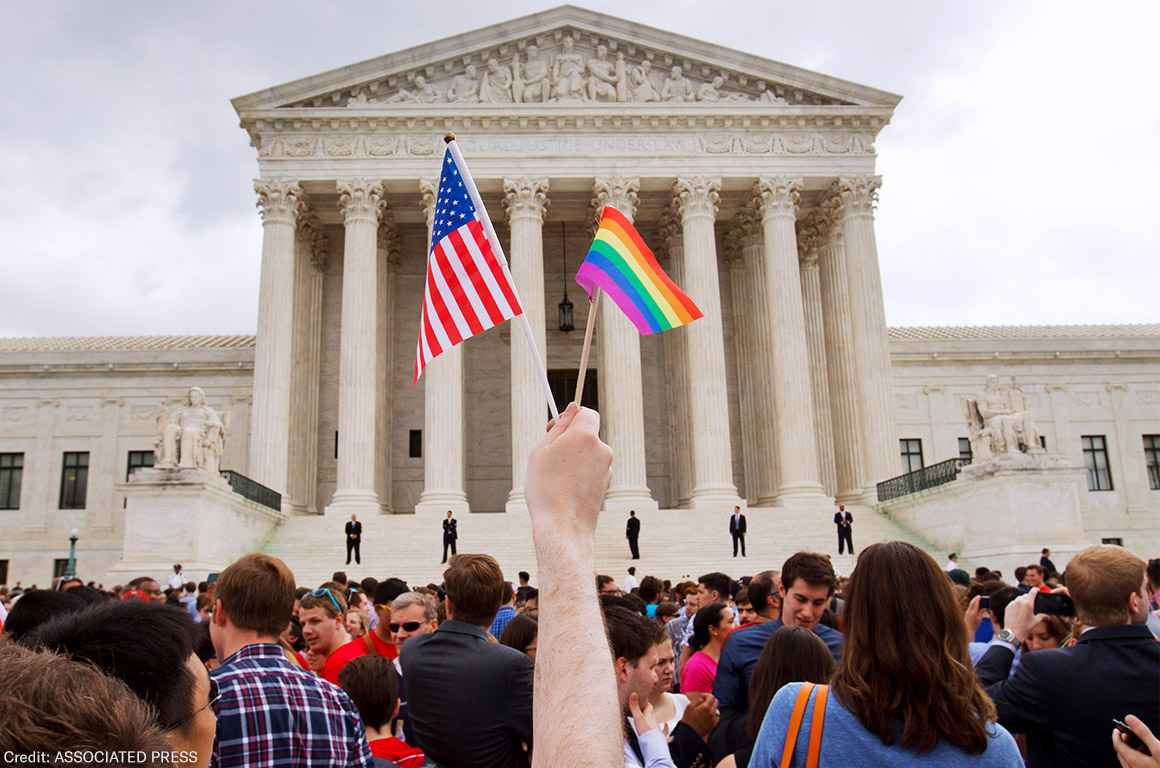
(621, 265)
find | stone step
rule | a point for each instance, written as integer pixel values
(675, 543)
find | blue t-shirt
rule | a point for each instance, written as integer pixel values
(845, 741)
(740, 655)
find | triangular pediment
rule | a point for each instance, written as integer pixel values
(565, 56)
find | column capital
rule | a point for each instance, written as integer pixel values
(747, 226)
(812, 232)
(315, 238)
(695, 196)
(859, 194)
(777, 196)
(428, 190)
(388, 240)
(279, 200)
(525, 197)
(621, 192)
(361, 199)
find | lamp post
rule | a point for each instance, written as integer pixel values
(70, 568)
(566, 324)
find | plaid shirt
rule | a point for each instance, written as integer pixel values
(274, 715)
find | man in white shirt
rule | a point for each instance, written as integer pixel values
(631, 583)
(952, 562)
(177, 580)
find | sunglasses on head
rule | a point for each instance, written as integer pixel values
(325, 592)
(409, 626)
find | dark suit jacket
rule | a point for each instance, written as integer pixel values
(470, 701)
(450, 529)
(1048, 566)
(738, 526)
(353, 530)
(843, 519)
(632, 529)
(1064, 699)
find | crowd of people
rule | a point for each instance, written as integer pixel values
(902, 662)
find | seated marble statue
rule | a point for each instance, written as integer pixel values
(1000, 423)
(191, 436)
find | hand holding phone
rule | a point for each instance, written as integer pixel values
(1128, 736)
(1056, 603)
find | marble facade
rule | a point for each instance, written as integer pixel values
(755, 183)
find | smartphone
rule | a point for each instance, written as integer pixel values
(1058, 604)
(1130, 738)
(984, 602)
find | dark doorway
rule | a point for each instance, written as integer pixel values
(564, 388)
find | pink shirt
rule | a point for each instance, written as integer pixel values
(699, 673)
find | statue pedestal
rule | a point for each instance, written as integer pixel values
(187, 516)
(1001, 513)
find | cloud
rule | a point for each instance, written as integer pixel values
(1017, 171)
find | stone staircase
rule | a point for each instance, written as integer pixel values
(674, 544)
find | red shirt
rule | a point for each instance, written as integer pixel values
(398, 751)
(340, 658)
(390, 650)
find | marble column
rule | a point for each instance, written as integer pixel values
(676, 354)
(312, 253)
(361, 203)
(40, 497)
(797, 452)
(105, 471)
(841, 365)
(810, 240)
(761, 317)
(388, 256)
(279, 203)
(526, 202)
(741, 301)
(859, 194)
(620, 384)
(1065, 443)
(1133, 481)
(695, 200)
(444, 417)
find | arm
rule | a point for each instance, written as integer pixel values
(577, 718)
(727, 685)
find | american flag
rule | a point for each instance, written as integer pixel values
(468, 288)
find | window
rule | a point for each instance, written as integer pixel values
(1043, 442)
(911, 454)
(1095, 458)
(1114, 540)
(137, 460)
(11, 472)
(74, 480)
(336, 445)
(563, 384)
(59, 565)
(1151, 458)
(966, 455)
(3, 571)
(415, 444)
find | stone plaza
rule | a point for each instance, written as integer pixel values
(755, 183)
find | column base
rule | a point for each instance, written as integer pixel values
(347, 503)
(298, 509)
(716, 498)
(804, 497)
(517, 502)
(437, 503)
(621, 500)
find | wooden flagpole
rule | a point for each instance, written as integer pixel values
(529, 334)
(593, 305)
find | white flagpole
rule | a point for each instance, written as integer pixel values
(495, 244)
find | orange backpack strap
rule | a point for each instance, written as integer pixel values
(795, 724)
(817, 721)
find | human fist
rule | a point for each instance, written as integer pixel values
(568, 473)
(702, 714)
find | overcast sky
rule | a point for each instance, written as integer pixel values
(1020, 171)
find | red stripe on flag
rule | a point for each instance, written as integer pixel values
(472, 270)
(433, 345)
(457, 290)
(497, 271)
(443, 316)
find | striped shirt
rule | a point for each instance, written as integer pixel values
(273, 715)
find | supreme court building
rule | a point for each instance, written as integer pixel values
(753, 181)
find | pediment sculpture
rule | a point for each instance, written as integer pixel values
(999, 423)
(190, 436)
(569, 76)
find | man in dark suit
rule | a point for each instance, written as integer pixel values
(470, 699)
(737, 529)
(1064, 699)
(632, 532)
(450, 534)
(1046, 564)
(845, 522)
(353, 539)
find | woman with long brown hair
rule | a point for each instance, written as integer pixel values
(905, 692)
